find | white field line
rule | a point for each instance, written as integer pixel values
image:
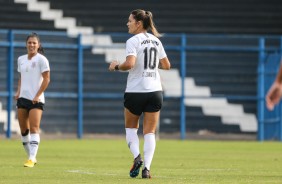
(215, 169)
(90, 173)
(112, 174)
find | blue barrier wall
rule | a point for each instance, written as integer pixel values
(182, 44)
(271, 128)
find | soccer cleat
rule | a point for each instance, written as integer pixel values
(29, 163)
(137, 163)
(146, 173)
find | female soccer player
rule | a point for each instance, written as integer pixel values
(143, 94)
(33, 80)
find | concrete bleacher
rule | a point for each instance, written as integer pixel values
(187, 16)
(15, 16)
(228, 74)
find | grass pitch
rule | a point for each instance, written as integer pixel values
(175, 161)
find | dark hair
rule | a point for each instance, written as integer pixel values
(147, 18)
(34, 35)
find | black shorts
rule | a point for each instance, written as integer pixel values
(23, 103)
(137, 103)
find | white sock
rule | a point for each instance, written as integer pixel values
(149, 149)
(25, 141)
(34, 144)
(132, 141)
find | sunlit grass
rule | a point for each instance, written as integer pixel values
(175, 161)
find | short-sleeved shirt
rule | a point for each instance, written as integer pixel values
(144, 76)
(31, 75)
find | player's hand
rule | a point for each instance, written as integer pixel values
(35, 100)
(273, 96)
(112, 65)
(17, 95)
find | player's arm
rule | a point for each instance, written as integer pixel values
(44, 85)
(275, 92)
(127, 65)
(17, 94)
(279, 76)
(164, 64)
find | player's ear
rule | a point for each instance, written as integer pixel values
(139, 23)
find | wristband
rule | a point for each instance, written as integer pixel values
(116, 67)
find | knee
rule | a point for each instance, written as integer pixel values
(34, 129)
(148, 131)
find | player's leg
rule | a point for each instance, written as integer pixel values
(34, 119)
(150, 122)
(131, 128)
(132, 111)
(25, 129)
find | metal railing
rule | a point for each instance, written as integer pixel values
(183, 48)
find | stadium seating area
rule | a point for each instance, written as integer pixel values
(187, 16)
(225, 74)
(16, 16)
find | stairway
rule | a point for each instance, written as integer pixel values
(14, 126)
(185, 16)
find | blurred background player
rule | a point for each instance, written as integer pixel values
(275, 92)
(143, 94)
(33, 80)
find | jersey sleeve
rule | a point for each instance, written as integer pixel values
(44, 65)
(131, 47)
(162, 53)
(19, 66)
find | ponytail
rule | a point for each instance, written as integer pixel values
(40, 50)
(147, 18)
(151, 24)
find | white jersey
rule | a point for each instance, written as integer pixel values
(144, 76)
(31, 75)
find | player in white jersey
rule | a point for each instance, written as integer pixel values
(143, 94)
(33, 80)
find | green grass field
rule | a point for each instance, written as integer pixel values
(175, 161)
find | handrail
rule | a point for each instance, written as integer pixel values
(182, 47)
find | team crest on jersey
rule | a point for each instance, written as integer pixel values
(33, 65)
